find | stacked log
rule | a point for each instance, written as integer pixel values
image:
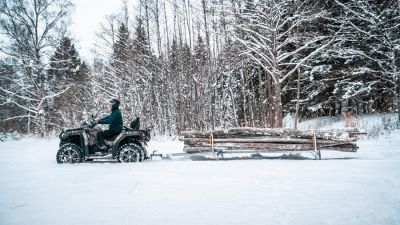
(270, 140)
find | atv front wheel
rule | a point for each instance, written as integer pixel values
(69, 153)
(129, 153)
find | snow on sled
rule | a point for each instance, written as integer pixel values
(256, 141)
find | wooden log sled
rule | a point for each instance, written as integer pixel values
(273, 132)
(246, 139)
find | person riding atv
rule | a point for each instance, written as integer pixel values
(90, 142)
(115, 124)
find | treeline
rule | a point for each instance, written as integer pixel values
(183, 65)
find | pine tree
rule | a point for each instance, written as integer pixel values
(359, 70)
(66, 71)
(64, 65)
(121, 50)
(121, 66)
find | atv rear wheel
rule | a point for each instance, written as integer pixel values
(129, 153)
(69, 153)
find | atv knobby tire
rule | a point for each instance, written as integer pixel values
(130, 152)
(69, 153)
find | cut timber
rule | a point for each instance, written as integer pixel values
(194, 141)
(337, 134)
(248, 139)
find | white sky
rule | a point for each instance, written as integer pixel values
(88, 14)
(86, 18)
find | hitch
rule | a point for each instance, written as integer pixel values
(158, 154)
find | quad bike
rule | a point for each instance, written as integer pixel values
(80, 145)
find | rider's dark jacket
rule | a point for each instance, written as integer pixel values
(114, 119)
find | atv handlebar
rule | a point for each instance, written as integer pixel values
(92, 124)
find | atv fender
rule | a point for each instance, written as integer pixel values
(133, 138)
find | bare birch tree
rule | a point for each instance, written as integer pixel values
(31, 29)
(268, 31)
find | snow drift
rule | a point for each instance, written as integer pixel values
(350, 189)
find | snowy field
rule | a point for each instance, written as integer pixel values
(348, 188)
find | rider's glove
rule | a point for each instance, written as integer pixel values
(94, 123)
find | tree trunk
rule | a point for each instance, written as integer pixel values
(243, 95)
(29, 124)
(166, 31)
(398, 112)
(397, 101)
(268, 94)
(296, 117)
(157, 19)
(233, 105)
(261, 92)
(396, 98)
(278, 106)
(146, 3)
(42, 130)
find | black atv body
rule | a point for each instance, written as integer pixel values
(79, 145)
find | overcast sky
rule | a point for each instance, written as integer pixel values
(87, 15)
(86, 18)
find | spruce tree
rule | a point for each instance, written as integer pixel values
(66, 71)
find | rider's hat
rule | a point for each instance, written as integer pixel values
(115, 102)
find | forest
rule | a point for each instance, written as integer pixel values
(200, 64)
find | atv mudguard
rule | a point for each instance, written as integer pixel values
(78, 135)
(128, 136)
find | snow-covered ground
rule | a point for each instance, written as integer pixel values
(348, 188)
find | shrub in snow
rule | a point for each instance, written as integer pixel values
(14, 136)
